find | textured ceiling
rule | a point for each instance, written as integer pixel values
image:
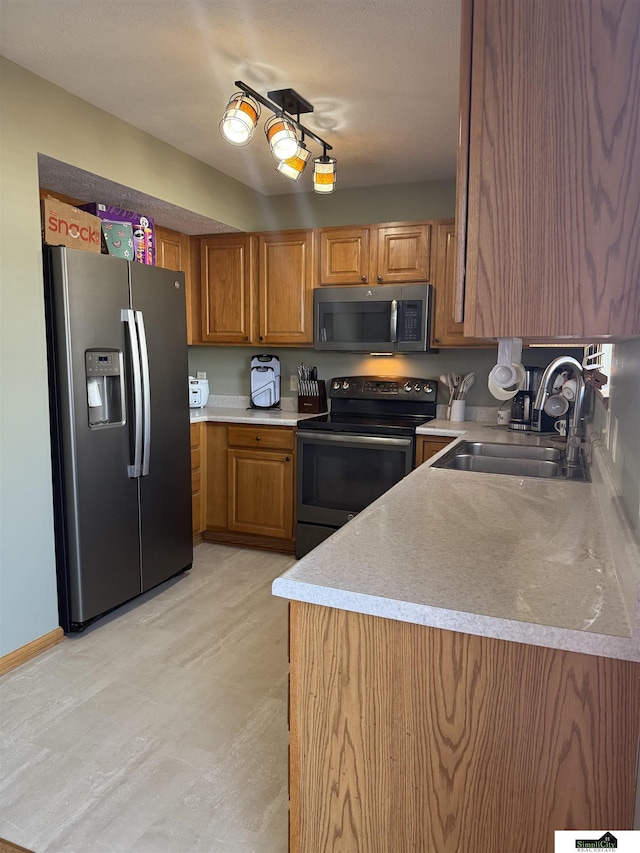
(382, 75)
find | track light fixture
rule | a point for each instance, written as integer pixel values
(290, 152)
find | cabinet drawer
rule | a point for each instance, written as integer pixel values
(262, 437)
(195, 458)
(195, 435)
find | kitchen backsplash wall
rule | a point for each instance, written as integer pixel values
(227, 368)
(620, 430)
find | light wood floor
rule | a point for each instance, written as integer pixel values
(162, 728)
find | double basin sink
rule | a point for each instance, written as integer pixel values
(519, 460)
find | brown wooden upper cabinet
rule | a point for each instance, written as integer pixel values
(549, 168)
(173, 252)
(258, 288)
(375, 254)
(446, 332)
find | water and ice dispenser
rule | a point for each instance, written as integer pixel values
(105, 387)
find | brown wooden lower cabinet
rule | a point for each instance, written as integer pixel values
(196, 479)
(410, 738)
(428, 446)
(250, 472)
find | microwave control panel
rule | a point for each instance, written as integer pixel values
(410, 326)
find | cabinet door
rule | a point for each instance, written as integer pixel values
(345, 255)
(173, 252)
(428, 447)
(197, 480)
(446, 331)
(286, 266)
(260, 488)
(403, 253)
(226, 289)
(553, 191)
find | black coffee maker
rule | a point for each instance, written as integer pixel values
(522, 403)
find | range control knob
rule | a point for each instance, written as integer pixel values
(417, 386)
(336, 385)
(345, 384)
(407, 386)
(428, 389)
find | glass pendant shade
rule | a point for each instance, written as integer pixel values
(240, 119)
(324, 174)
(295, 166)
(282, 138)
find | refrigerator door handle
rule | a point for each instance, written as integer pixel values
(146, 394)
(129, 318)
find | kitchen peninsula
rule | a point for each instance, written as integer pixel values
(465, 665)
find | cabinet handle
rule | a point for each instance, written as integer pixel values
(261, 338)
(436, 340)
(258, 438)
(246, 337)
(286, 458)
(363, 278)
(379, 278)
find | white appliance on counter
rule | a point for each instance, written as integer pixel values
(198, 392)
(265, 382)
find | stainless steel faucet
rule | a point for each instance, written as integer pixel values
(574, 434)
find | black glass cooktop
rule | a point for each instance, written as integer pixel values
(402, 425)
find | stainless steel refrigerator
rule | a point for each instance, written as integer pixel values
(117, 354)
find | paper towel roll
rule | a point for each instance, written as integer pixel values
(93, 393)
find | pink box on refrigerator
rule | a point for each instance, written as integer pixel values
(144, 234)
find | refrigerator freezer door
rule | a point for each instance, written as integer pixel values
(97, 502)
(165, 492)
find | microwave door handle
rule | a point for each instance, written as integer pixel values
(128, 317)
(393, 328)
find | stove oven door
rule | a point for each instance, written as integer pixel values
(340, 474)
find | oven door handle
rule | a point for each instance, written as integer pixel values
(353, 438)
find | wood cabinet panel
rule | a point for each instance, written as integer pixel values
(345, 256)
(446, 332)
(260, 487)
(286, 270)
(173, 252)
(405, 738)
(227, 300)
(216, 471)
(197, 479)
(403, 253)
(375, 254)
(262, 437)
(551, 213)
(426, 447)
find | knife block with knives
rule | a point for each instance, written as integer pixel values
(312, 392)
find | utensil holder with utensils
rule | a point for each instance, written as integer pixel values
(312, 396)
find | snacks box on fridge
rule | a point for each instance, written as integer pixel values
(65, 225)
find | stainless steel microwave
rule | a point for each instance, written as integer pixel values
(389, 318)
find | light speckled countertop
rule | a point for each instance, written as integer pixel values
(545, 562)
(236, 410)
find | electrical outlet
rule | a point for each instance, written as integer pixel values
(201, 374)
(293, 382)
(614, 438)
